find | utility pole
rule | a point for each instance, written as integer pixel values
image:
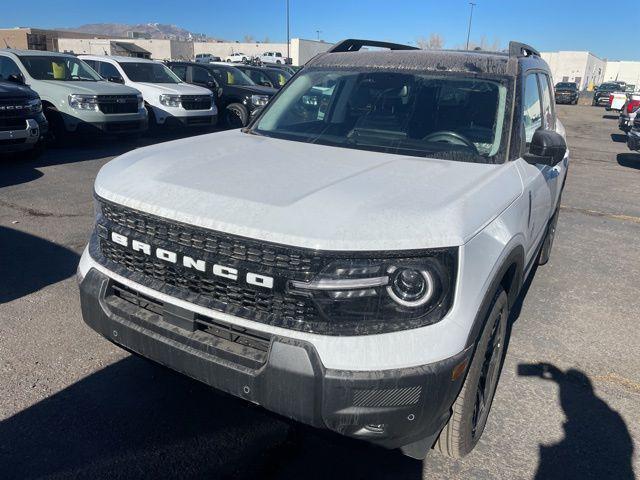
(318, 32)
(470, 18)
(288, 41)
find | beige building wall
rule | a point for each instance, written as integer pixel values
(581, 67)
(46, 39)
(224, 49)
(624, 71)
(159, 49)
(304, 50)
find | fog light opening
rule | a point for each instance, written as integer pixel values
(376, 427)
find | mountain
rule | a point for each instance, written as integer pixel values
(142, 30)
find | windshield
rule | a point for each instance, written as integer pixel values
(449, 117)
(566, 85)
(231, 76)
(609, 87)
(149, 72)
(61, 68)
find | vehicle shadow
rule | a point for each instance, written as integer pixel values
(597, 443)
(134, 419)
(29, 263)
(629, 160)
(610, 117)
(619, 137)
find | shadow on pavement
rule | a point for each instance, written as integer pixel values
(610, 117)
(134, 419)
(629, 160)
(597, 443)
(29, 263)
(619, 137)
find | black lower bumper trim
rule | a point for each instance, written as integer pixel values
(392, 408)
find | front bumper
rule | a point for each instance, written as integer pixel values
(24, 138)
(604, 100)
(633, 140)
(393, 408)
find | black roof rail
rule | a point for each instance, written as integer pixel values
(353, 45)
(517, 49)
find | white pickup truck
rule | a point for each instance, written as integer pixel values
(272, 57)
(349, 260)
(628, 112)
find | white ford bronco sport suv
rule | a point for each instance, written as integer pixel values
(349, 259)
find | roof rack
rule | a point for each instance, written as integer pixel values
(353, 45)
(517, 49)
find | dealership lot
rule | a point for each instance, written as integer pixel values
(73, 405)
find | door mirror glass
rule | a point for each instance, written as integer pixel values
(115, 79)
(547, 148)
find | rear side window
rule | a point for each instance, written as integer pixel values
(547, 104)
(532, 107)
(180, 71)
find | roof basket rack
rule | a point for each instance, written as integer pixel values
(353, 45)
(517, 49)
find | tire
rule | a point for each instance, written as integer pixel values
(547, 245)
(236, 115)
(469, 417)
(57, 128)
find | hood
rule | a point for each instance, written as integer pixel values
(13, 91)
(309, 195)
(89, 88)
(176, 88)
(253, 89)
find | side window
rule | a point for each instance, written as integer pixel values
(547, 105)
(180, 71)
(92, 63)
(200, 75)
(109, 71)
(532, 107)
(7, 68)
(260, 78)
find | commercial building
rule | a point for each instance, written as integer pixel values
(300, 50)
(583, 68)
(628, 72)
(158, 49)
(37, 38)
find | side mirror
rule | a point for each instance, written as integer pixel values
(547, 148)
(115, 79)
(16, 78)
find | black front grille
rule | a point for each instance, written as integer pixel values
(111, 104)
(195, 102)
(262, 305)
(13, 108)
(7, 124)
(216, 243)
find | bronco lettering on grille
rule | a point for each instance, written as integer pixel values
(185, 261)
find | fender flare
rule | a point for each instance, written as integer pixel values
(514, 259)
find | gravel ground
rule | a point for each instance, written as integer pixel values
(75, 406)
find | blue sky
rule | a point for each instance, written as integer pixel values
(547, 25)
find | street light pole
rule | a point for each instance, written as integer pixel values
(318, 32)
(288, 41)
(470, 18)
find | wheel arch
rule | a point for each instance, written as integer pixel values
(509, 276)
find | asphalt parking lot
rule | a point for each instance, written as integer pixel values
(75, 406)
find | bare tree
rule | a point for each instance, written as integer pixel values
(248, 39)
(434, 42)
(266, 39)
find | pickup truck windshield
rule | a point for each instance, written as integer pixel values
(62, 68)
(566, 86)
(439, 116)
(149, 72)
(609, 87)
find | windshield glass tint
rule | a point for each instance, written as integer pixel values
(609, 86)
(60, 68)
(231, 76)
(149, 72)
(566, 86)
(450, 117)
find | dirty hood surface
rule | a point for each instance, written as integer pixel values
(310, 195)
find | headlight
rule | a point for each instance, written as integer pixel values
(140, 101)
(170, 100)
(83, 102)
(361, 296)
(35, 105)
(260, 100)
